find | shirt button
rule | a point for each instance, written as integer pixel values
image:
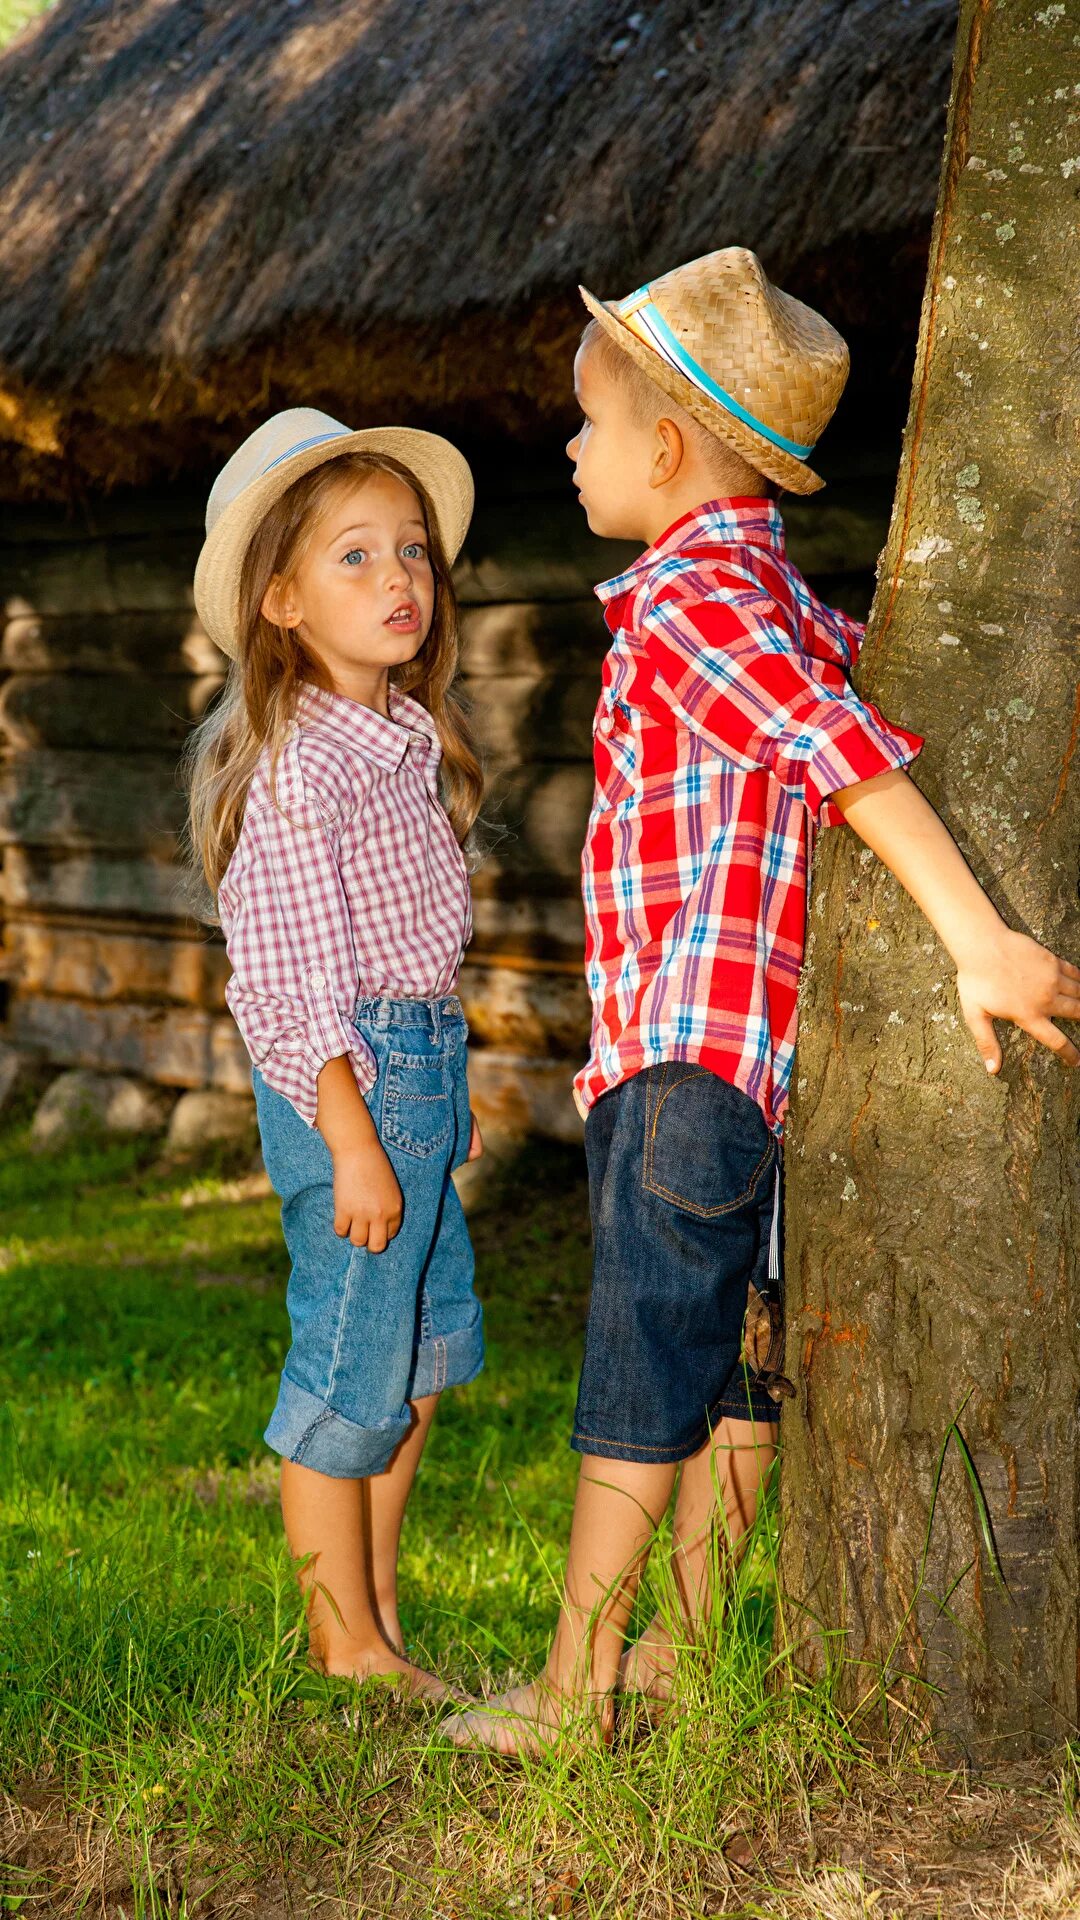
(318, 979)
(606, 723)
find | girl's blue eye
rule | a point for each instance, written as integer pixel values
(414, 550)
(354, 554)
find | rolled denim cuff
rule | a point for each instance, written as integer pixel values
(304, 1429)
(449, 1360)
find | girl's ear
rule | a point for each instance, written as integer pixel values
(278, 605)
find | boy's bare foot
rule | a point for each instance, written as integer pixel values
(648, 1666)
(524, 1722)
(380, 1663)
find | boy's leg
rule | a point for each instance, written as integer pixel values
(618, 1508)
(676, 1161)
(716, 1505)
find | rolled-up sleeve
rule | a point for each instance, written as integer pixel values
(736, 677)
(294, 982)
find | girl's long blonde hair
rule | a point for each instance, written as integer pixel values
(259, 698)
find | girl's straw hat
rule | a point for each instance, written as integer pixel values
(264, 467)
(753, 365)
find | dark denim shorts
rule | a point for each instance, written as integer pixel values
(684, 1192)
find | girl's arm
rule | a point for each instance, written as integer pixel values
(367, 1199)
(1000, 974)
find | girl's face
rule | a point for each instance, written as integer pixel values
(363, 595)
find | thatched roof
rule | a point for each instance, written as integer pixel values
(206, 210)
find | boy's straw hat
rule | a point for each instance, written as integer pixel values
(264, 467)
(753, 365)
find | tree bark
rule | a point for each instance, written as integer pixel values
(932, 1211)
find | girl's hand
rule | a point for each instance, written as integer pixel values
(476, 1144)
(1016, 979)
(368, 1206)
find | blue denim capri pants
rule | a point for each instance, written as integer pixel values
(373, 1331)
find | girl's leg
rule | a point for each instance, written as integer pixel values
(386, 1497)
(325, 1518)
(724, 1477)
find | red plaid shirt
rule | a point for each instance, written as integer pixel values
(354, 884)
(725, 720)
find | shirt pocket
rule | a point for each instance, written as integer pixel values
(616, 751)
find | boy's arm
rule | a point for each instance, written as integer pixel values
(1000, 974)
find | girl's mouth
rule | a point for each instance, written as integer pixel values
(404, 619)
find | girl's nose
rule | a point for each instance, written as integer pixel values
(571, 448)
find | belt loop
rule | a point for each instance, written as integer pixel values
(382, 1013)
(436, 1021)
(774, 1237)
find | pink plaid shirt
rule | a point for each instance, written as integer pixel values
(726, 719)
(353, 885)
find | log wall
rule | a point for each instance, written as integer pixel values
(103, 669)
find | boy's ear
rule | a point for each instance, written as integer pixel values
(278, 605)
(668, 451)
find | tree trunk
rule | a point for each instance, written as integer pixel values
(932, 1210)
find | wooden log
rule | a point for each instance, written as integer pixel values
(532, 549)
(523, 717)
(120, 643)
(103, 517)
(535, 820)
(517, 1096)
(174, 1046)
(522, 914)
(76, 799)
(532, 1013)
(539, 1016)
(145, 573)
(73, 800)
(113, 713)
(517, 717)
(44, 880)
(539, 637)
(103, 965)
(511, 1092)
(535, 1009)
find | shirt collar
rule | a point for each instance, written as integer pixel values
(380, 739)
(738, 522)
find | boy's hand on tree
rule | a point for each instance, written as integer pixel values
(1016, 979)
(368, 1206)
(476, 1144)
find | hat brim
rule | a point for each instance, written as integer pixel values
(772, 461)
(442, 471)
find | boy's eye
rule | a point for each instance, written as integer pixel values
(354, 556)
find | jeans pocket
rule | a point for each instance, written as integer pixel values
(417, 1116)
(707, 1145)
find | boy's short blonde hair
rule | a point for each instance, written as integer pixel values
(649, 403)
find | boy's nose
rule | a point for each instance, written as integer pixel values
(571, 448)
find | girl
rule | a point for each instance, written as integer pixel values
(317, 817)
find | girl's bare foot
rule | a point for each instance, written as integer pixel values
(367, 1663)
(525, 1721)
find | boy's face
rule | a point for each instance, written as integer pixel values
(612, 454)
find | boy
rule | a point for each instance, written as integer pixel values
(726, 732)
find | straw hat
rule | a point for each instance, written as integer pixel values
(753, 365)
(277, 453)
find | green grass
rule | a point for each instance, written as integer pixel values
(164, 1743)
(16, 14)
